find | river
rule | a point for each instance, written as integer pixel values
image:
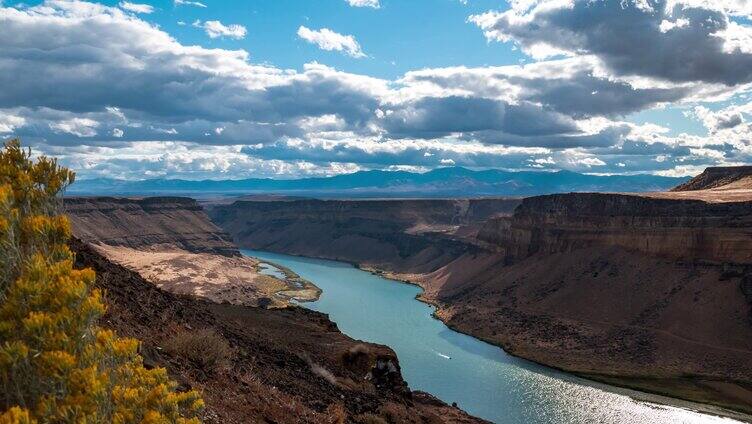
(481, 378)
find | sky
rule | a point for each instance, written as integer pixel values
(294, 88)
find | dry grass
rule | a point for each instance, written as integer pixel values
(370, 419)
(206, 349)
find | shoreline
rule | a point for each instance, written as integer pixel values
(292, 279)
(637, 392)
(627, 386)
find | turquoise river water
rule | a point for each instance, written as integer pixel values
(481, 378)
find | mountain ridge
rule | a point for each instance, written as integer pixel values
(440, 182)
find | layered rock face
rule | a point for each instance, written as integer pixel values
(645, 291)
(286, 366)
(148, 223)
(690, 230)
(639, 291)
(715, 177)
(402, 235)
(171, 242)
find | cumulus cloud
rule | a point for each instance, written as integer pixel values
(81, 127)
(576, 87)
(364, 3)
(329, 40)
(9, 123)
(136, 7)
(189, 3)
(117, 96)
(669, 40)
(215, 29)
(440, 116)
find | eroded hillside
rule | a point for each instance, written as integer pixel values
(284, 365)
(397, 235)
(171, 242)
(648, 291)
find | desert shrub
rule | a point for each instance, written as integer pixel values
(323, 373)
(205, 349)
(368, 418)
(356, 353)
(336, 414)
(56, 364)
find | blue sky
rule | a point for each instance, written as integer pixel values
(284, 89)
(398, 37)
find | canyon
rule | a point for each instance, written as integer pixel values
(172, 242)
(286, 364)
(651, 291)
(645, 290)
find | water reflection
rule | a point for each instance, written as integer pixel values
(481, 378)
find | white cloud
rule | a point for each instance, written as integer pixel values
(329, 40)
(171, 131)
(189, 3)
(80, 127)
(133, 81)
(631, 38)
(136, 7)
(364, 3)
(8, 123)
(216, 29)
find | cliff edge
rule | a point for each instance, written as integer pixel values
(649, 291)
(284, 365)
(735, 177)
(171, 242)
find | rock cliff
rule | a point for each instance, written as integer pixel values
(171, 242)
(286, 366)
(646, 291)
(402, 235)
(147, 223)
(689, 230)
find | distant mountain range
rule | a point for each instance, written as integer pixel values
(441, 182)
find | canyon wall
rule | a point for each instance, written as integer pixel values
(635, 290)
(171, 242)
(648, 292)
(147, 223)
(689, 230)
(399, 235)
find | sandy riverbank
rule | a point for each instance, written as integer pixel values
(222, 279)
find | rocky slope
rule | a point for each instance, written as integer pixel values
(716, 177)
(643, 292)
(171, 242)
(147, 223)
(646, 291)
(285, 366)
(399, 235)
(690, 230)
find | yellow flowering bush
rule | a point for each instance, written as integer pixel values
(56, 365)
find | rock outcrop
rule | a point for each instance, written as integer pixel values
(646, 291)
(147, 223)
(716, 177)
(286, 366)
(400, 235)
(171, 242)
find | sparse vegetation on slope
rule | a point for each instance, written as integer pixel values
(56, 364)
